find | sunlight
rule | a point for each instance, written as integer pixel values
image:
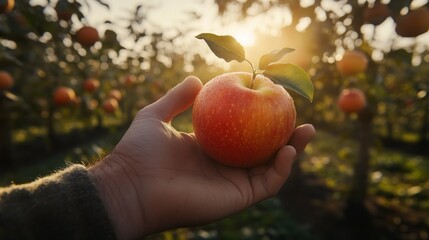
(246, 38)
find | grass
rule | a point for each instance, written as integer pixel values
(393, 174)
(86, 153)
(265, 220)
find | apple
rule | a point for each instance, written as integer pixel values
(6, 80)
(91, 84)
(239, 125)
(414, 23)
(116, 94)
(6, 6)
(64, 95)
(87, 36)
(241, 119)
(110, 105)
(377, 14)
(351, 100)
(352, 62)
(129, 81)
(64, 10)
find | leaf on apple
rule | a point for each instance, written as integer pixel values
(292, 77)
(273, 56)
(225, 47)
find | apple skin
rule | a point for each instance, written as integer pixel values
(242, 127)
(351, 100)
(90, 85)
(352, 62)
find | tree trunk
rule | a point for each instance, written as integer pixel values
(424, 142)
(51, 134)
(5, 134)
(99, 124)
(357, 218)
(359, 187)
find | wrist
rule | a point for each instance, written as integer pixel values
(119, 197)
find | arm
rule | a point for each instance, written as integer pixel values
(64, 205)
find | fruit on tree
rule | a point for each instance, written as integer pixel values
(64, 10)
(91, 104)
(110, 105)
(351, 100)
(376, 14)
(414, 23)
(110, 39)
(116, 94)
(87, 36)
(77, 101)
(352, 62)
(64, 95)
(241, 125)
(6, 80)
(91, 85)
(6, 5)
(130, 80)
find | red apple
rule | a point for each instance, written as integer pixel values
(239, 125)
(414, 23)
(352, 62)
(91, 84)
(64, 95)
(129, 81)
(87, 36)
(6, 80)
(116, 94)
(110, 105)
(351, 100)
(376, 14)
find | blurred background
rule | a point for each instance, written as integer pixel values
(74, 72)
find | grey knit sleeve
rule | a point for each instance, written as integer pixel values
(64, 205)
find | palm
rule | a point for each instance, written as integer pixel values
(183, 173)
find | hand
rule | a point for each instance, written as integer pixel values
(157, 178)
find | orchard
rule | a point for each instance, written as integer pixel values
(74, 74)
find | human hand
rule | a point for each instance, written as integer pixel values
(157, 178)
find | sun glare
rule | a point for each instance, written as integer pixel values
(246, 38)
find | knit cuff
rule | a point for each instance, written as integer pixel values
(64, 205)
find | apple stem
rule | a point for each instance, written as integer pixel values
(253, 73)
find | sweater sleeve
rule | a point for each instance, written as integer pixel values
(64, 205)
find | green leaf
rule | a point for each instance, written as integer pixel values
(225, 47)
(292, 77)
(273, 56)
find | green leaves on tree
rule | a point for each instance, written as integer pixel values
(225, 47)
(289, 76)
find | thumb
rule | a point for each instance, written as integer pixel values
(177, 100)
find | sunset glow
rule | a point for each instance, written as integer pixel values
(246, 38)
